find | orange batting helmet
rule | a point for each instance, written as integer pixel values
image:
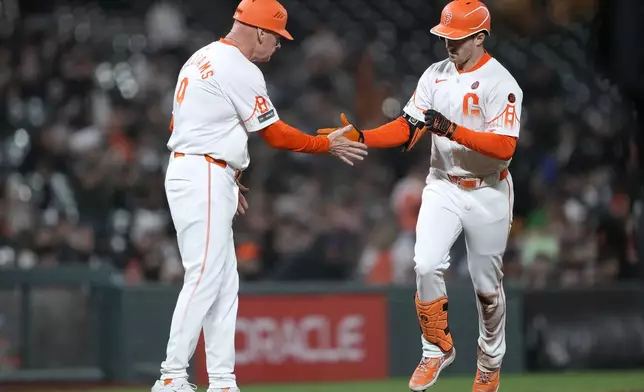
(462, 18)
(266, 14)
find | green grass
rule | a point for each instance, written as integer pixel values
(569, 382)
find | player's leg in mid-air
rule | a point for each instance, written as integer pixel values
(438, 227)
(486, 227)
(203, 200)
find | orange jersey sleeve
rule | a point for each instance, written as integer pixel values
(489, 144)
(283, 136)
(392, 134)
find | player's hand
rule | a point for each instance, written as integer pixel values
(355, 135)
(345, 149)
(242, 205)
(439, 124)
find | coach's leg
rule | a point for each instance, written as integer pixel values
(202, 204)
(437, 228)
(219, 328)
(487, 227)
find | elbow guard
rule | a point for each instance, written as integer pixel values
(416, 130)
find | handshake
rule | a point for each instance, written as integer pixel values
(346, 143)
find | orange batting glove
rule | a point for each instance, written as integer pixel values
(355, 135)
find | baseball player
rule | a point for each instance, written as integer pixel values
(472, 106)
(220, 98)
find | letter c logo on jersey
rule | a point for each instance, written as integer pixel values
(470, 100)
(261, 104)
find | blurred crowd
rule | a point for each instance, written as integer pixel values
(86, 102)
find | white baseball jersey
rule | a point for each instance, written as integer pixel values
(484, 99)
(220, 96)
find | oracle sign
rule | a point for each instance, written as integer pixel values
(283, 338)
(312, 338)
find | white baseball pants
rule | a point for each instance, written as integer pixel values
(203, 198)
(485, 216)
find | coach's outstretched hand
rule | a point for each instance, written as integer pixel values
(345, 149)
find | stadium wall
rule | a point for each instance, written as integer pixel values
(82, 325)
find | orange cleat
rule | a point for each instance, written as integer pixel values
(487, 381)
(426, 374)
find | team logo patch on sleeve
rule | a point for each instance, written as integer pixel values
(266, 116)
(512, 98)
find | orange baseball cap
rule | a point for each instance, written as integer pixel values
(462, 18)
(266, 14)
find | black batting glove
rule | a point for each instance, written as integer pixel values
(439, 124)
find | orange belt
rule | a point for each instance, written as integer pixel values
(221, 163)
(473, 183)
